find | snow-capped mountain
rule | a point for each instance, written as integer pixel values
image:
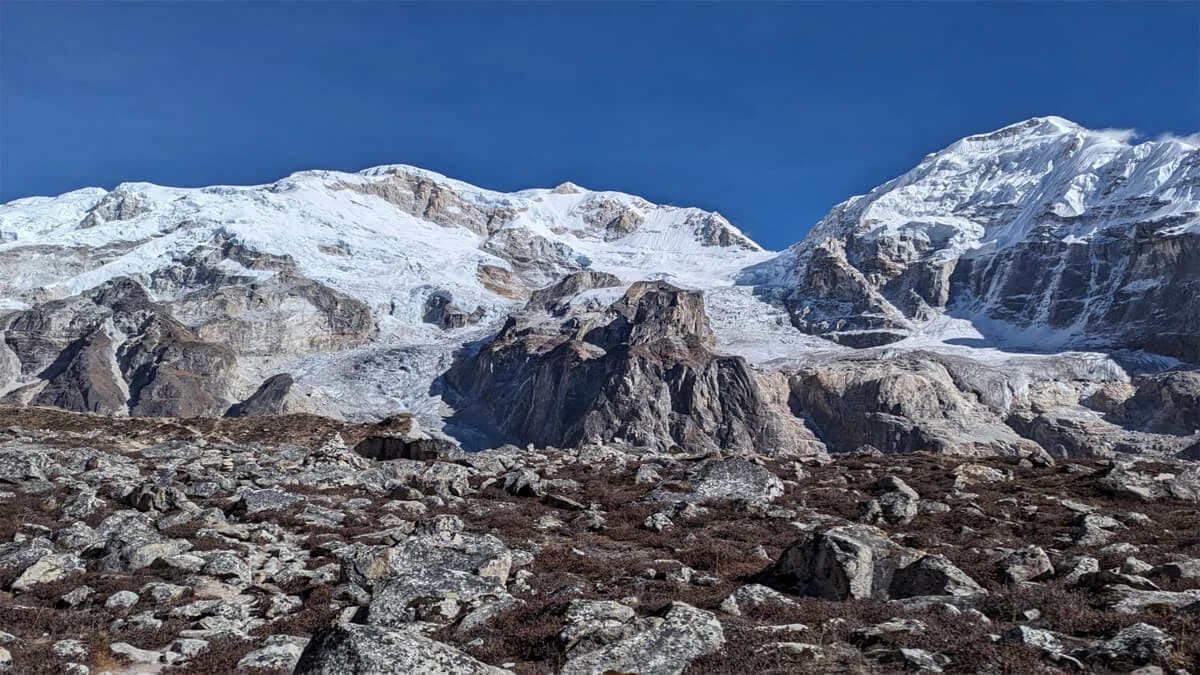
(1044, 226)
(358, 294)
(359, 285)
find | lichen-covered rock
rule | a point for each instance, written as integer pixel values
(435, 576)
(1132, 647)
(669, 646)
(1124, 480)
(735, 479)
(751, 596)
(350, 648)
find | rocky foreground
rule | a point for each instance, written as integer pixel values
(299, 544)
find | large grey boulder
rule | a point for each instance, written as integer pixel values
(667, 647)
(736, 479)
(433, 576)
(859, 562)
(1132, 647)
(350, 648)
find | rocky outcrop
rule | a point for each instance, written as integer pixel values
(904, 404)
(1167, 403)
(89, 381)
(831, 298)
(643, 370)
(556, 298)
(120, 204)
(154, 366)
(273, 397)
(441, 311)
(422, 195)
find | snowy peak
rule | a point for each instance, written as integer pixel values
(1059, 231)
(1045, 175)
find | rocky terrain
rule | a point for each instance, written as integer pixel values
(301, 544)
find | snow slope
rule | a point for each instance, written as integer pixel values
(993, 190)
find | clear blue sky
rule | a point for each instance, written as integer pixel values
(769, 113)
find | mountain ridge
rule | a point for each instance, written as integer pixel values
(353, 294)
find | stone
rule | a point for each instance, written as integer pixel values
(886, 631)
(1133, 646)
(70, 649)
(842, 562)
(736, 479)
(657, 522)
(350, 648)
(279, 652)
(933, 575)
(121, 601)
(48, 569)
(1183, 569)
(1127, 600)
(1026, 564)
(259, 501)
(897, 503)
(751, 596)
(667, 648)
(1123, 480)
(128, 652)
(1044, 640)
(591, 624)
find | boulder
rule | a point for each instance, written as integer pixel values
(666, 647)
(1131, 647)
(933, 575)
(350, 648)
(859, 562)
(1026, 564)
(735, 479)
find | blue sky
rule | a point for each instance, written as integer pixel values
(770, 113)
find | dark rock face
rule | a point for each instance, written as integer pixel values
(1113, 288)
(116, 349)
(1117, 288)
(160, 367)
(441, 311)
(643, 371)
(1165, 403)
(90, 381)
(833, 299)
(269, 399)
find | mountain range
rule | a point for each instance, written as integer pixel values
(1026, 291)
